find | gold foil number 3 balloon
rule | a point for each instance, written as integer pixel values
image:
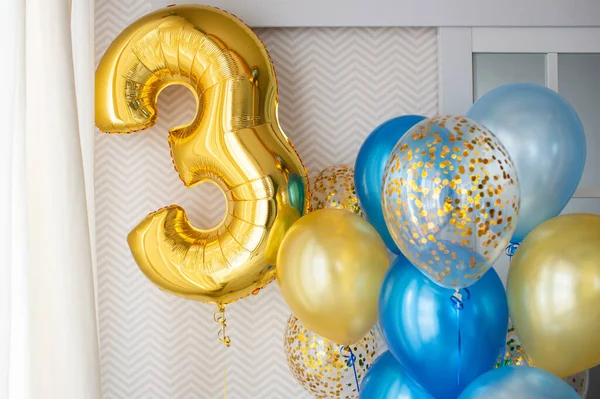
(234, 141)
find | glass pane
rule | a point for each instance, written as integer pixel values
(579, 82)
(583, 205)
(493, 70)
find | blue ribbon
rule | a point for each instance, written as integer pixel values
(458, 301)
(503, 361)
(511, 249)
(348, 354)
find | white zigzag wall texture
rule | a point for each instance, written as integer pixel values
(336, 85)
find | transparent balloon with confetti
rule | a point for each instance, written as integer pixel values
(325, 369)
(514, 355)
(451, 199)
(334, 188)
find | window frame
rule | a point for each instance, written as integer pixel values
(456, 46)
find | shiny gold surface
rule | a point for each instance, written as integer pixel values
(319, 366)
(330, 268)
(234, 141)
(554, 294)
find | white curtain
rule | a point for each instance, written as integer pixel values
(48, 329)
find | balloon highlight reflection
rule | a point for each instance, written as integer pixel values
(553, 294)
(518, 382)
(451, 199)
(387, 379)
(545, 139)
(330, 267)
(420, 325)
(233, 141)
(370, 166)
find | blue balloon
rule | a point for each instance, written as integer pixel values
(519, 383)
(370, 164)
(420, 324)
(387, 379)
(544, 137)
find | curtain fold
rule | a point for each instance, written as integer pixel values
(48, 340)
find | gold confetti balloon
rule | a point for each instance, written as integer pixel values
(451, 199)
(334, 188)
(580, 383)
(321, 366)
(515, 355)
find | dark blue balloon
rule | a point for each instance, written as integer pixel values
(519, 382)
(387, 379)
(420, 324)
(370, 164)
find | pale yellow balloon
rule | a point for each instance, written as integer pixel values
(330, 267)
(554, 294)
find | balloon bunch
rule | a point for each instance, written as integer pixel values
(447, 195)
(455, 192)
(330, 266)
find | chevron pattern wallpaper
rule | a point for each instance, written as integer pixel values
(336, 85)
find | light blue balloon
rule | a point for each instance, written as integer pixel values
(387, 379)
(514, 382)
(370, 164)
(545, 140)
(419, 322)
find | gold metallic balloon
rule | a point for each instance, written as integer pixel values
(554, 294)
(330, 268)
(321, 366)
(334, 188)
(514, 355)
(234, 141)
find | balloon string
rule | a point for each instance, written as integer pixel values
(458, 301)
(219, 318)
(503, 360)
(225, 379)
(348, 354)
(511, 249)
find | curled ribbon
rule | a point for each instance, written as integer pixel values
(458, 299)
(219, 318)
(511, 249)
(348, 354)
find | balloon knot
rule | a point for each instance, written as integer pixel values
(511, 249)
(219, 317)
(459, 296)
(348, 354)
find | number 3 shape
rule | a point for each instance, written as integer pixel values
(234, 141)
